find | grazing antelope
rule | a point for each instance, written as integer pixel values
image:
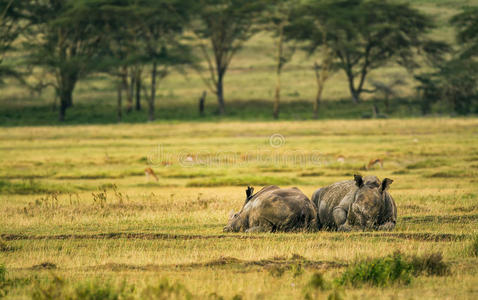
(341, 159)
(373, 162)
(149, 172)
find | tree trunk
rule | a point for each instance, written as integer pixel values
(278, 72)
(65, 99)
(153, 93)
(137, 81)
(277, 98)
(220, 94)
(322, 76)
(202, 100)
(355, 94)
(126, 87)
(67, 85)
(119, 110)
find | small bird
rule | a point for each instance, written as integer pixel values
(150, 172)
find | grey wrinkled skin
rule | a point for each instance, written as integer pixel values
(359, 204)
(274, 209)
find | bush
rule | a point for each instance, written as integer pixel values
(316, 284)
(56, 288)
(164, 291)
(393, 269)
(430, 264)
(378, 272)
(94, 290)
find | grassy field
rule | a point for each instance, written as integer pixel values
(249, 88)
(78, 216)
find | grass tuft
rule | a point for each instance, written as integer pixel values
(57, 288)
(430, 264)
(473, 248)
(165, 290)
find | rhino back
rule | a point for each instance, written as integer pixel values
(331, 197)
(284, 209)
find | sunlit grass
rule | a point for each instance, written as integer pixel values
(110, 221)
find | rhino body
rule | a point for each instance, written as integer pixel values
(274, 209)
(362, 203)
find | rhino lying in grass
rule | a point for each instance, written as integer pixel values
(362, 203)
(274, 209)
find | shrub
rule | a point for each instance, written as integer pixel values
(165, 290)
(392, 269)
(378, 272)
(430, 264)
(316, 283)
(56, 288)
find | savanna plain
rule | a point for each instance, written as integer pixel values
(78, 215)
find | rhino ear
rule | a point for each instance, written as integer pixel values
(231, 214)
(358, 180)
(386, 184)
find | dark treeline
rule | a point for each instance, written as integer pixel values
(135, 40)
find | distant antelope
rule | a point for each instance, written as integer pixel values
(373, 162)
(149, 172)
(341, 159)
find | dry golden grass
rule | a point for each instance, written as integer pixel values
(142, 230)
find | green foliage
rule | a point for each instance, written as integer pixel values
(3, 281)
(466, 24)
(227, 24)
(393, 269)
(454, 85)
(164, 290)
(57, 288)
(12, 24)
(366, 35)
(316, 284)
(378, 272)
(98, 290)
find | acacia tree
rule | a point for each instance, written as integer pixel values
(161, 27)
(466, 24)
(12, 23)
(226, 25)
(454, 81)
(64, 41)
(374, 33)
(311, 23)
(276, 18)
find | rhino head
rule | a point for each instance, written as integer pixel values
(369, 201)
(238, 220)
